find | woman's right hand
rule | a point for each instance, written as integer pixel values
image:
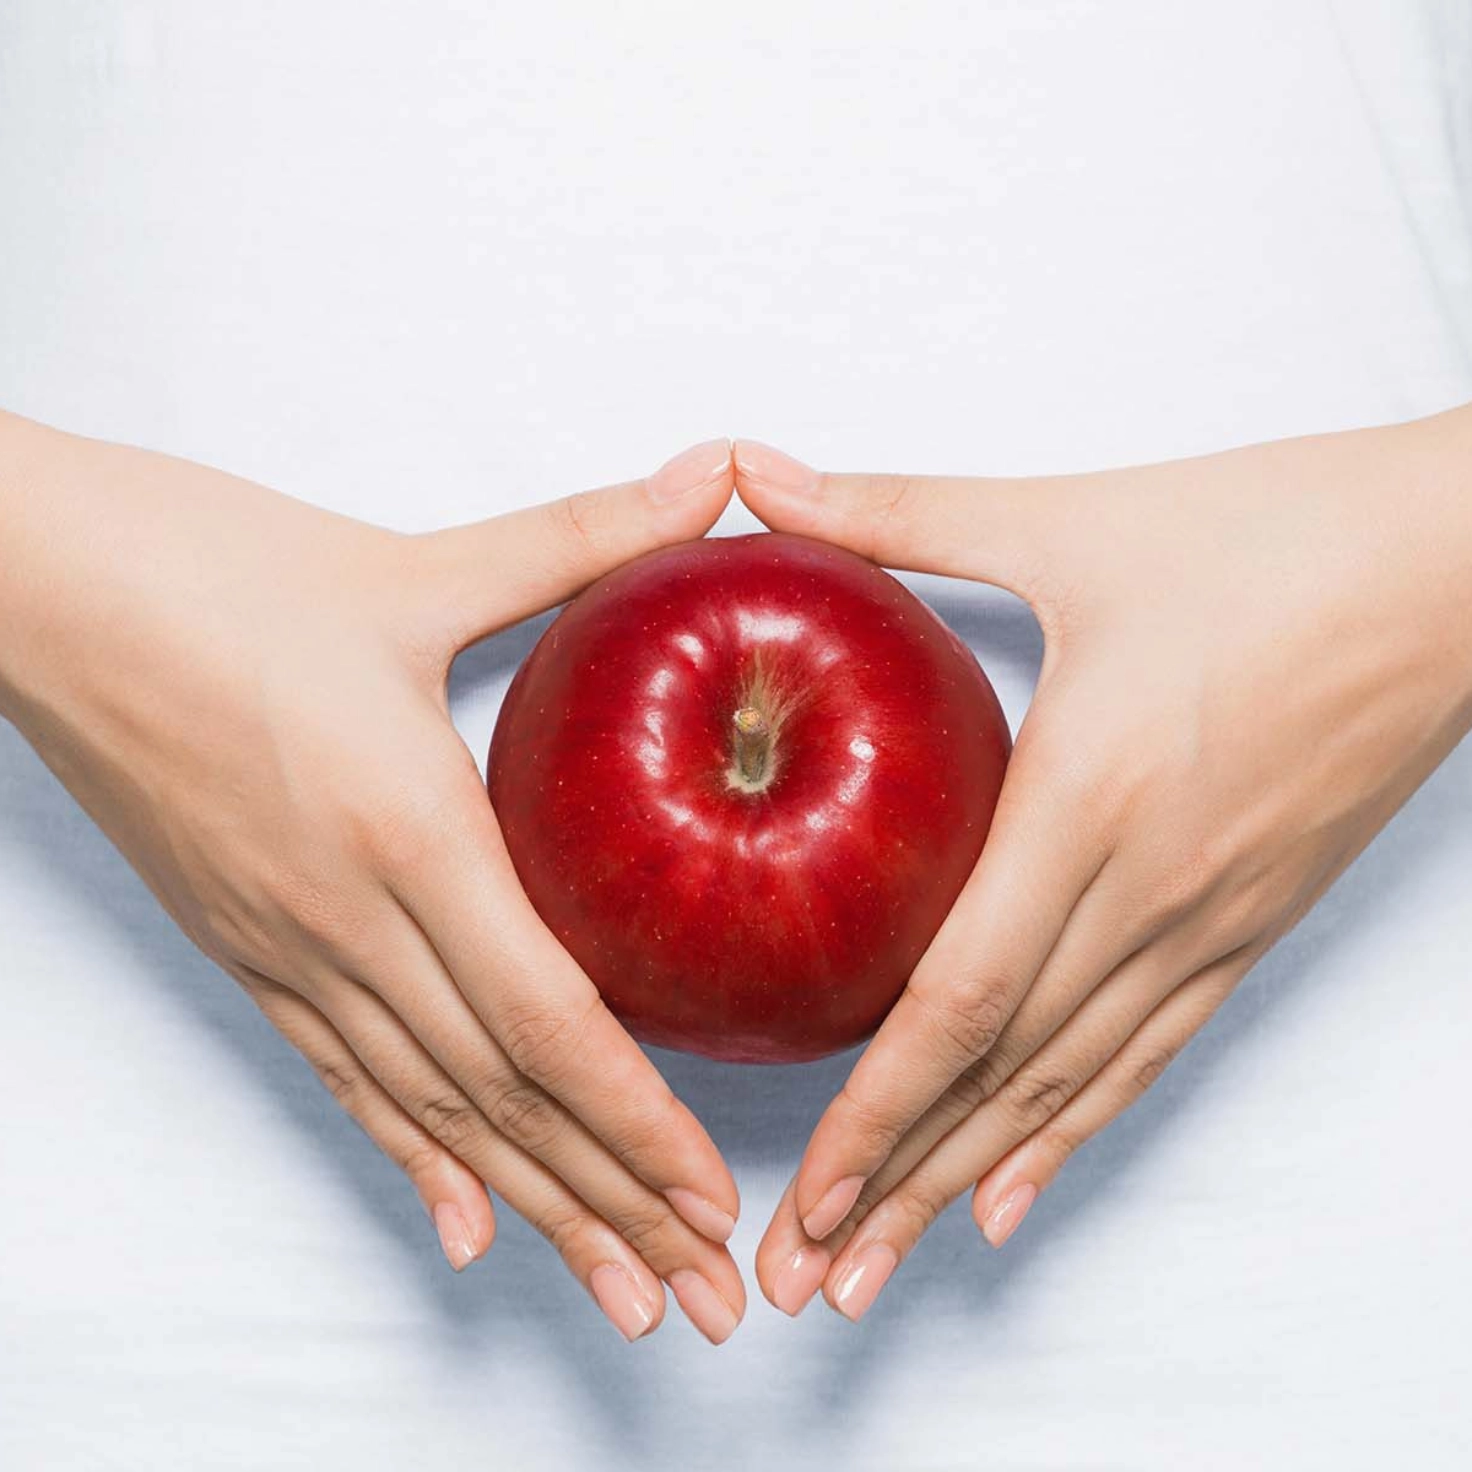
(248, 695)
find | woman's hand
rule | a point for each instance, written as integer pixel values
(1252, 660)
(248, 695)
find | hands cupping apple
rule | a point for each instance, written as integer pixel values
(248, 695)
(1250, 665)
(1251, 662)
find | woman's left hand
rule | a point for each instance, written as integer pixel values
(1252, 660)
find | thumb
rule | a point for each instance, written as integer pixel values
(488, 574)
(993, 530)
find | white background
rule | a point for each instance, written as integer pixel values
(425, 262)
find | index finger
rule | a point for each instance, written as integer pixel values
(1033, 871)
(539, 1004)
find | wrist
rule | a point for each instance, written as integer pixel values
(33, 543)
(1427, 506)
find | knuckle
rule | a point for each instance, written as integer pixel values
(1036, 1095)
(273, 1000)
(562, 1222)
(419, 1159)
(1191, 876)
(229, 933)
(452, 1119)
(883, 512)
(1148, 1067)
(981, 1082)
(318, 915)
(341, 1081)
(1079, 775)
(641, 1133)
(540, 1038)
(971, 1014)
(1057, 1144)
(916, 1208)
(573, 519)
(875, 1128)
(399, 825)
(528, 1116)
(647, 1230)
(300, 910)
(1237, 918)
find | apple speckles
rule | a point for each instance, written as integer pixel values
(766, 927)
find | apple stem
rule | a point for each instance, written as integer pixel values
(753, 744)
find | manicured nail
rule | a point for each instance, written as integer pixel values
(449, 1222)
(622, 1300)
(690, 470)
(1007, 1215)
(799, 1278)
(703, 1305)
(705, 1216)
(863, 1278)
(834, 1204)
(770, 467)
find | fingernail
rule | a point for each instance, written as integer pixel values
(705, 1216)
(1007, 1216)
(703, 1305)
(770, 467)
(834, 1204)
(863, 1278)
(622, 1300)
(689, 470)
(455, 1239)
(799, 1278)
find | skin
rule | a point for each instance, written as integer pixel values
(1252, 660)
(248, 695)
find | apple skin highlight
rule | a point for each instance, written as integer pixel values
(743, 780)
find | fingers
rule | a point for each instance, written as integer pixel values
(1092, 1070)
(525, 1121)
(547, 1017)
(994, 530)
(452, 1194)
(1007, 1190)
(975, 1123)
(481, 577)
(1076, 967)
(790, 1266)
(1037, 865)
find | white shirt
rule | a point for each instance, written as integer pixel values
(424, 263)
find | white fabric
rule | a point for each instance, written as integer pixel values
(425, 262)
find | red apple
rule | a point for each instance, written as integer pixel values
(743, 780)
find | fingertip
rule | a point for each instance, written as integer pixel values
(781, 490)
(783, 1235)
(797, 1278)
(763, 465)
(463, 1238)
(714, 1311)
(998, 1216)
(693, 475)
(832, 1206)
(700, 1212)
(632, 1305)
(672, 1144)
(461, 1211)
